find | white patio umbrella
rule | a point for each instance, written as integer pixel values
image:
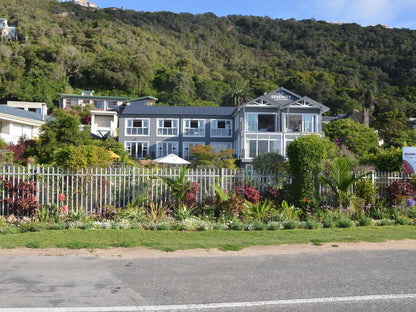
(172, 159)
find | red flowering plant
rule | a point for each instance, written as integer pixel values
(228, 205)
(249, 193)
(61, 198)
(396, 192)
(190, 196)
(21, 196)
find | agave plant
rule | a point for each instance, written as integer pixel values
(260, 211)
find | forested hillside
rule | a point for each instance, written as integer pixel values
(185, 59)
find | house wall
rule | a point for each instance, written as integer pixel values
(103, 122)
(180, 141)
(12, 132)
(98, 102)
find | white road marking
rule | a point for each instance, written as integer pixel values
(196, 307)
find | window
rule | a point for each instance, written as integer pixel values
(261, 122)
(166, 148)
(260, 144)
(112, 104)
(69, 103)
(137, 127)
(137, 149)
(301, 123)
(168, 127)
(187, 148)
(99, 104)
(218, 146)
(221, 128)
(194, 127)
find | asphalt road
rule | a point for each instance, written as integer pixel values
(335, 281)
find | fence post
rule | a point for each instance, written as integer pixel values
(221, 178)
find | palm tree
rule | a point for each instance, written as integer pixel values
(238, 93)
(340, 178)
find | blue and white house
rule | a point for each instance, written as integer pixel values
(156, 131)
(265, 124)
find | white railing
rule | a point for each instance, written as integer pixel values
(96, 189)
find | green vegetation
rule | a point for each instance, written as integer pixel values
(203, 59)
(224, 240)
(306, 158)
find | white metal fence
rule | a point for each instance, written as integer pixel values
(94, 189)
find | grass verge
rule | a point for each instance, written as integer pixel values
(223, 240)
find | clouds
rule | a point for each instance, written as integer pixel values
(398, 13)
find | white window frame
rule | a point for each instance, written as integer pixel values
(172, 131)
(303, 124)
(217, 148)
(144, 130)
(163, 148)
(189, 131)
(256, 128)
(262, 137)
(101, 102)
(214, 128)
(112, 104)
(187, 147)
(144, 149)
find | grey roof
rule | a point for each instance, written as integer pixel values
(194, 111)
(13, 111)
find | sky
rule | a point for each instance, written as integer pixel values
(395, 13)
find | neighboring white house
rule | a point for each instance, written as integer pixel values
(104, 113)
(7, 31)
(102, 103)
(17, 123)
(104, 123)
(36, 107)
(84, 3)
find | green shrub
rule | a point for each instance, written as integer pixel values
(328, 221)
(402, 221)
(273, 226)
(384, 222)
(220, 226)
(343, 222)
(364, 221)
(311, 224)
(259, 226)
(289, 225)
(306, 155)
(236, 225)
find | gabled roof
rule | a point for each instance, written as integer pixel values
(193, 111)
(20, 113)
(284, 98)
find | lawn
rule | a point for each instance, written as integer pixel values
(223, 240)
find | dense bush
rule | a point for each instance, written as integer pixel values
(306, 155)
(398, 191)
